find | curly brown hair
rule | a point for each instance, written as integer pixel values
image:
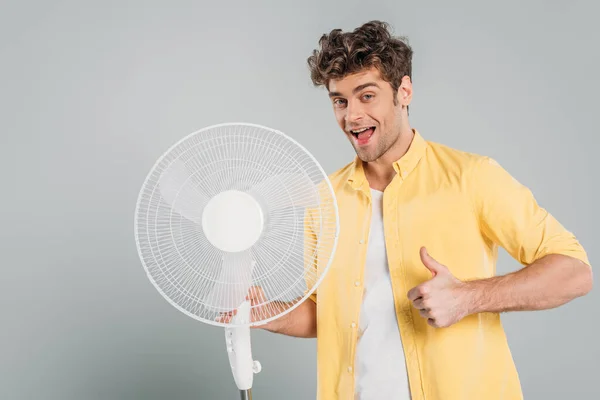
(370, 45)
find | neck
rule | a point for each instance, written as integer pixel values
(380, 172)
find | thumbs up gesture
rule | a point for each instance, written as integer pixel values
(443, 300)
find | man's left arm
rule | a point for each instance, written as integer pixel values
(556, 268)
(547, 283)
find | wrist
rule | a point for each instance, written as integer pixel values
(472, 297)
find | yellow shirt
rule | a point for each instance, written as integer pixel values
(461, 207)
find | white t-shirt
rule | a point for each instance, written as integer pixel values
(380, 365)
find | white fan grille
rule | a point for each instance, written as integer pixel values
(287, 182)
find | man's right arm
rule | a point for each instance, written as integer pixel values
(300, 322)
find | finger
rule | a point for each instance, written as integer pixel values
(413, 294)
(417, 291)
(430, 263)
(425, 314)
(419, 304)
(432, 322)
(224, 319)
(256, 295)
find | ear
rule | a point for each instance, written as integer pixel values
(404, 94)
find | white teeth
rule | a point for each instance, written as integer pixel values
(356, 131)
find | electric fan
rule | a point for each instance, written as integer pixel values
(229, 209)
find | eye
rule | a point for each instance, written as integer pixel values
(339, 102)
(368, 96)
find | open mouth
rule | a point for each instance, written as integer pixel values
(362, 135)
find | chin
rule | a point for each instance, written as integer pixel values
(366, 156)
(367, 152)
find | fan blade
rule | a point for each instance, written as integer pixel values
(287, 190)
(233, 282)
(179, 192)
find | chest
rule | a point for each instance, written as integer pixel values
(440, 218)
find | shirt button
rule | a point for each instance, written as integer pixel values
(353, 324)
(357, 283)
(349, 369)
(361, 241)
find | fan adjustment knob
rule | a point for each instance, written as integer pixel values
(256, 367)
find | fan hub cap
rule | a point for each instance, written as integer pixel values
(232, 221)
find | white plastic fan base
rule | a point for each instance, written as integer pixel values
(239, 349)
(232, 221)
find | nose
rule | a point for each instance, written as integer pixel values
(354, 112)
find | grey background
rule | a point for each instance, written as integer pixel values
(92, 93)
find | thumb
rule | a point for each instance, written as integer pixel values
(431, 264)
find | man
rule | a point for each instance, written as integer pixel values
(411, 305)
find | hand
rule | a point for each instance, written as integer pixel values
(260, 308)
(444, 299)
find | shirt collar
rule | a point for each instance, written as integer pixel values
(403, 166)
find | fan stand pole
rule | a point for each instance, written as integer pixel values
(239, 351)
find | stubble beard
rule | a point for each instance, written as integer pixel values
(383, 144)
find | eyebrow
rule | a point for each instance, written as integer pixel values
(356, 89)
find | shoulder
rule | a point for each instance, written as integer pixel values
(339, 178)
(474, 172)
(342, 174)
(480, 175)
(450, 157)
(462, 165)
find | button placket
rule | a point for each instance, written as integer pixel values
(362, 240)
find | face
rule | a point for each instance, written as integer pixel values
(364, 108)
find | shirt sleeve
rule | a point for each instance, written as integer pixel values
(510, 216)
